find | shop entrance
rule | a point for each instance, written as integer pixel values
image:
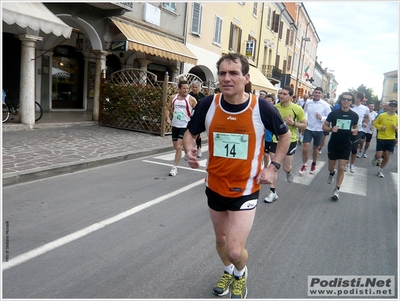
(67, 78)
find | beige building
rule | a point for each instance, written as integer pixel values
(390, 86)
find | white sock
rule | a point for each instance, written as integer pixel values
(238, 273)
(229, 268)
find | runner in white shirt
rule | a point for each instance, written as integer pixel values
(316, 111)
(363, 117)
(368, 130)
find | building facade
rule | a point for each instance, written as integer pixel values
(390, 86)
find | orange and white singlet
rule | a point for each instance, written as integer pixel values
(236, 148)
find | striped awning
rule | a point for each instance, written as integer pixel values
(260, 82)
(36, 16)
(154, 44)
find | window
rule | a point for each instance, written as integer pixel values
(395, 87)
(196, 18)
(275, 21)
(235, 38)
(251, 47)
(289, 64)
(287, 37)
(269, 17)
(170, 6)
(280, 34)
(291, 37)
(217, 31)
(255, 9)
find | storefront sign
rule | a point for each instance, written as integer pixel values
(119, 46)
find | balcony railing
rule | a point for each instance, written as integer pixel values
(270, 71)
(113, 5)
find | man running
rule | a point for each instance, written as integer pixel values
(343, 125)
(316, 111)
(196, 86)
(182, 105)
(235, 122)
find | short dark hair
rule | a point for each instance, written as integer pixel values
(235, 57)
(319, 89)
(182, 82)
(271, 96)
(360, 95)
(348, 94)
(289, 89)
(392, 103)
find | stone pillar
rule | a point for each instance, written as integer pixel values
(100, 66)
(27, 83)
(174, 72)
(143, 75)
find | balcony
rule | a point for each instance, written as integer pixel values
(270, 71)
(112, 5)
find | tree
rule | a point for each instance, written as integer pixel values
(369, 94)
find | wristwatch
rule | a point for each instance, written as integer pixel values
(277, 165)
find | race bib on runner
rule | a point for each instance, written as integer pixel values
(233, 146)
(179, 116)
(343, 124)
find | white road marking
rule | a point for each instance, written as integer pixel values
(307, 178)
(179, 166)
(90, 229)
(355, 183)
(395, 180)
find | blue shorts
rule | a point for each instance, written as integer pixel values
(385, 145)
(316, 135)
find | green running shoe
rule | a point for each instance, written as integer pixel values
(222, 287)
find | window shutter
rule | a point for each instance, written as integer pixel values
(276, 20)
(217, 30)
(291, 37)
(231, 37)
(196, 18)
(287, 36)
(284, 66)
(280, 29)
(269, 17)
(239, 40)
(289, 62)
(277, 61)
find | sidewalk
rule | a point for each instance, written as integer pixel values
(47, 151)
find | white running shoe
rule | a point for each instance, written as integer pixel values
(364, 155)
(272, 196)
(352, 168)
(199, 153)
(331, 177)
(303, 170)
(335, 196)
(359, 154)
(289, 177)
(174, 171)
(380, 174)
(346, 168)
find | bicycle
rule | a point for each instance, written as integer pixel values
(9, 109)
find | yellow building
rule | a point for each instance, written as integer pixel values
(390, 84)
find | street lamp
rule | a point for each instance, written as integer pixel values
(298, 67)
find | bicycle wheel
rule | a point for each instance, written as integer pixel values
(38, 111)
(6, 112)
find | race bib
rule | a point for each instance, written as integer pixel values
(343, 124)
(233, 146)
(179, 116)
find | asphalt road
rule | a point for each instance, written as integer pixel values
(128, 230)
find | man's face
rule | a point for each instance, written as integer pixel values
(392, 108)
(357, 100)
(346, 101)
(305, 96)
(195, 88)
(371, 107)
(231, 79)
(317, 94)
(263, 95)
(284, 96)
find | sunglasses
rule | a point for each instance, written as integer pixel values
(347, 99)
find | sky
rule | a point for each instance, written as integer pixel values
(359, 40)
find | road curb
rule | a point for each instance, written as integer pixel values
(23, 177)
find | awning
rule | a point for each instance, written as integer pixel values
(36, 16)
(154, 44)
(259, 81)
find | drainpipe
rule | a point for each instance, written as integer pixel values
(260, 35)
